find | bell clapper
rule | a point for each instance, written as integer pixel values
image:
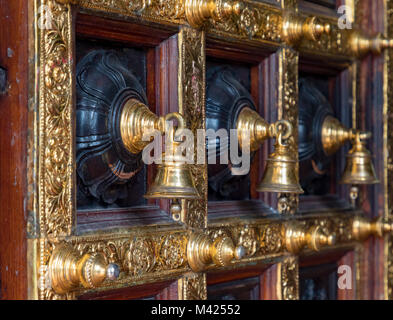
(175, 210)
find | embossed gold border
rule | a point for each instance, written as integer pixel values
(257, 23)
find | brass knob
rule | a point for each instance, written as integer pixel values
(69, 270)
(296, 238)
(295, 28)
(362, 44)
(199, 11)
(202, 251)
(363, 228)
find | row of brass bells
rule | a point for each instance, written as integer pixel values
(281, 167)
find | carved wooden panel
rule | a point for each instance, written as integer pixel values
(227, 92)
(107, 174)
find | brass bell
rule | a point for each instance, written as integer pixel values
(280, 173)
(173, 179)
(359, 168)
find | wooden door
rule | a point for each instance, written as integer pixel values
(83, 199)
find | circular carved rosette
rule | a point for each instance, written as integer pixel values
(104, 165)
(313, 110)
(226, 97)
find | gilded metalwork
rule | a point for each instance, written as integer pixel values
(362, 45)
(281, 171)
(56, 173)
(192, 106)
(191, 91)
(296, 238)
(193, 287)
(295, 28)
(198, 11)
(359, 168)
(364, 228)
(280, 174)
(173, 179)
(288, 279)
(288, 92)
(202, 251)
(68, 270)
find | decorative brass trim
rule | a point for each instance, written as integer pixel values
(198, 11)
(202, 251)
(296, 238)
(191, 91)
(191, 94)
(288, 109)
(250, 21)
(56, 127)
(288, 279)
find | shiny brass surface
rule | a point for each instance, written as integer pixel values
(173, 179)
(362, 45)
(135, 122)
(295, 28)
(363, 228)
(280, 174)
(203, 251)
(198, 11)
(359, 168)
(250, 122)
(296, 238)
(334, 135)
(69, 270)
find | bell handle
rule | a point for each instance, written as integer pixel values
(170, 129)
(276, 130)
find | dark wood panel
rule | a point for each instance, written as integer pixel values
(13, 151)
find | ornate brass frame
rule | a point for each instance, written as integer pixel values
(163, 250)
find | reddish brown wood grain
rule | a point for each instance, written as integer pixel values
(13, 150)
